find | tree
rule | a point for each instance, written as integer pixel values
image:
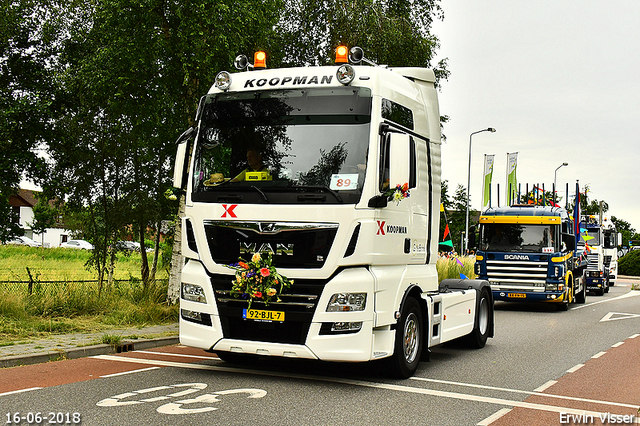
(26, 100)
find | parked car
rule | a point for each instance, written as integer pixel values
(77, 244)
(25, 241)
(127, 245)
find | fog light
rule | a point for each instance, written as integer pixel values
(346, 326)
(192, 315)
(347, 302)
(193, 293)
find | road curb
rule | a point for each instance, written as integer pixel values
(87, 351)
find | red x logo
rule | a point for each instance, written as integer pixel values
(380, 227)
(228, 209)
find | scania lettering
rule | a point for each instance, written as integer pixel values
(527, 254)
(333, 142)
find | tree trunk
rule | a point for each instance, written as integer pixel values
(144, 263)
(156, 252)
(177, 261)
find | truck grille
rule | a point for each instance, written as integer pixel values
(292, 245)
(592, 262)
(517, 274)
(298, 304)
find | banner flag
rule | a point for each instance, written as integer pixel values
(447, 243)
(486, 181)
(446, 231)
(512, 182)
(576, 217)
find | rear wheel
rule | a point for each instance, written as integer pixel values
(409, 340)
(484, 311)
(581, 296)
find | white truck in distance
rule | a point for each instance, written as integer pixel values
(326, 146)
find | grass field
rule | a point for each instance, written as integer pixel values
(61, 264)
(453, 267)
(68, 306)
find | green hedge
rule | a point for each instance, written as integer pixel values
(629, 264)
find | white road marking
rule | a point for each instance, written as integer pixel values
(624, 296)
(634, 336)
(536, 392)
(609, 316)
(18, 391)
(180, 355)
(617, 344)
(545, 386)
(129, 372)
(575, 368)
(495, 416)
(599, 354)
(386, 386)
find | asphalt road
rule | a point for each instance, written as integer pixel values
(542, 365)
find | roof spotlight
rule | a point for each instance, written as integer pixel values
(241, 62)
(356, 55)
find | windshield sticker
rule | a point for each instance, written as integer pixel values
(547, 249)
(344, 181)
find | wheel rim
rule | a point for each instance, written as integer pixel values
(483, 316)
(410, 338)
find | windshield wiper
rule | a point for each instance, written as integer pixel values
(261, 193)
(321, 188)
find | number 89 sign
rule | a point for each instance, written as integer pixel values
(344, 182)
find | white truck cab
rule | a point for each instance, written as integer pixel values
(333, 173)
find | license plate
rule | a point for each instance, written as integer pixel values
(262, 315)
(517, 295)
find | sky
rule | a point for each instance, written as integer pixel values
(559, 81)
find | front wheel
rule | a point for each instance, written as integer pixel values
(409, 340)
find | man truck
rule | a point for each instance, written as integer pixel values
(345, 205)
(600, 244)
(527, 253)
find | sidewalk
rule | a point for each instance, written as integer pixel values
(71, 346)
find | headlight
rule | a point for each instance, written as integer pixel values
(347, 302)
(345, 74)
(223, 80)
(193, 292)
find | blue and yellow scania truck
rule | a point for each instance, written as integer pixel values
(528, 254)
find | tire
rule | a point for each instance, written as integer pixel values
(582, 296)
(484, 312)
(408, 342)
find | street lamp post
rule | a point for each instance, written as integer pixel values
(555, 174)
(466, 226)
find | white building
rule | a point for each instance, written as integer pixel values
(23, 203)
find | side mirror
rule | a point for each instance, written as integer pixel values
(472, 237)
(570, 241)
(378, 201)
(400, 159)
(181, 164)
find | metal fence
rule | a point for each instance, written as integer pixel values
(35, 286)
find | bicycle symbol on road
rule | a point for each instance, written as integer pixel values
(181, 406)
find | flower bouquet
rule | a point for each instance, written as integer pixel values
(258, 280)
(397, 194)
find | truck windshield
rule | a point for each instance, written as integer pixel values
(592, 237)
(518, 238)
(283, 146)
